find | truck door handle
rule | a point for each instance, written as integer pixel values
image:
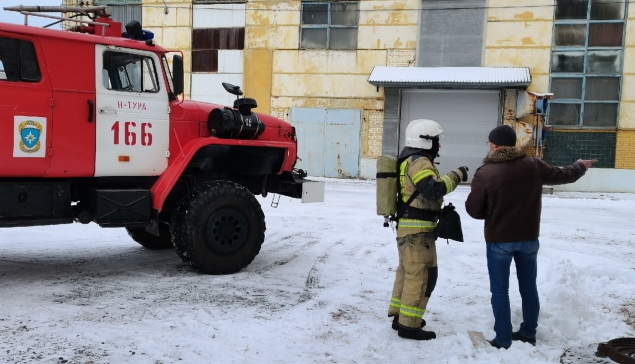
(107, 110)
(91, 110)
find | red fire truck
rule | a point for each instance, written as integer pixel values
(94, 128)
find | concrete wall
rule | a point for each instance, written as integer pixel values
(602, 180)
(172, 31)
(281, 76)
(517, 36)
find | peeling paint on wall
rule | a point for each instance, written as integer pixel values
(528, 41)
(527, 15)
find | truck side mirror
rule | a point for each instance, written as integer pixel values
(178, 77)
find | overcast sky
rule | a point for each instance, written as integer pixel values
(17, 18)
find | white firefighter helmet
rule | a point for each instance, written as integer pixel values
(420, 129)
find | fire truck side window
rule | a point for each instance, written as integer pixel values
(18, 61)
(129, 72)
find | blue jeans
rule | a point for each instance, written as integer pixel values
(499, 259)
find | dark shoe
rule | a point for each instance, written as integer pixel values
(495, 344)
(395, 322)
(416, 334)
(516, 336)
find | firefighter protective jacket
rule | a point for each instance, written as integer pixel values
(418, 173)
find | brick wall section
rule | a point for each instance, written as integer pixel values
(400, 57)
(372, 131)
(625, 150)
(564, 148)
(280, 113)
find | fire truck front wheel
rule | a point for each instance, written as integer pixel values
(151, 241)
(218, 228)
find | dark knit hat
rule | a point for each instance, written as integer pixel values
(503, 135)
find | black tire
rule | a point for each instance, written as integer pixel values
(218, 228)
(151, 241)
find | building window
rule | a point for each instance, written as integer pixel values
(586, 62)
(206, 42)
(329, 25)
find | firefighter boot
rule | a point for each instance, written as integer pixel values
(395, 322)
(416, 334)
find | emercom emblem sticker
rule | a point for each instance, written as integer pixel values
(29, 137)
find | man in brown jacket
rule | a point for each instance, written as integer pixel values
(507, 193)
(420, 199)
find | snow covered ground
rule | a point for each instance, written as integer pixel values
(317, 293)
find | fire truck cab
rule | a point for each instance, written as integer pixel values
(94, 128)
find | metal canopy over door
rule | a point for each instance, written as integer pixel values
(466, 116)
(328, 141)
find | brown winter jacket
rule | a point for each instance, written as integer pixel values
(507, 193)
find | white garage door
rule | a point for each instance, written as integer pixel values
(466, 116)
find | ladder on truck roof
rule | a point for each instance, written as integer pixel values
(90, 11)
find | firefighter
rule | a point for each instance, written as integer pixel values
(420, 200)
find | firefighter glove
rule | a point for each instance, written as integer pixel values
(463, 170)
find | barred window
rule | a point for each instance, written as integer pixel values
(586, 62)
(327, 25)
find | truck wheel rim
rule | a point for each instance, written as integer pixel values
(226, 230)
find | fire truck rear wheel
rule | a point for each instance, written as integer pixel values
(151, 241)
(218, 228)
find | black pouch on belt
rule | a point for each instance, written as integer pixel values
(449, 225)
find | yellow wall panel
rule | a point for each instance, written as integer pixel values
(519, 34)
(187, 64)
(158, 35)
(376, 103)
(318, 85)
(183, 16)
(183, 37)
(327, 61)
(169, 19)
(521, 14)
(628, 87)
(539, 83)
(152, 17)
(520, 10)
(169, 38)
(629, 59)
(630, 33)
(273, 13)
(398, 12)
(283, 37)
(257, 77)
(383, 37)
(536, 59)
(627, 115)
(520, 5)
